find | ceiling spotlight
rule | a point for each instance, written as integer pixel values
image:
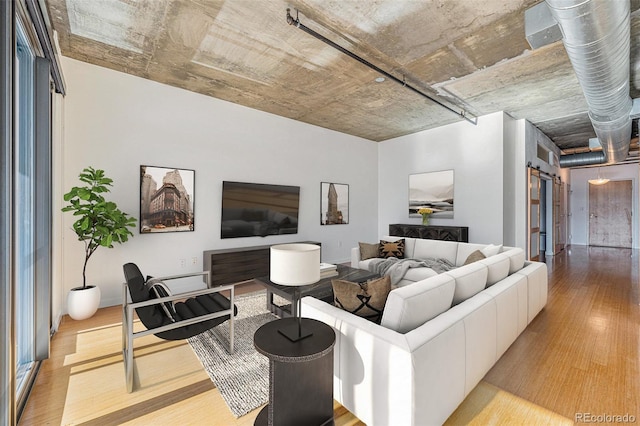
(380, 79)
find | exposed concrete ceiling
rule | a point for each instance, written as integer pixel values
(471, 53)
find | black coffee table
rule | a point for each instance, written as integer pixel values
(321, 290)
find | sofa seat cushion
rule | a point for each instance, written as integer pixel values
(411, 306)
(366, 300)
(497, 268)
(419, 274)
(436, 249)
(364, 264)
(470, 280)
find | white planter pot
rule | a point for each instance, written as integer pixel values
(83, 303)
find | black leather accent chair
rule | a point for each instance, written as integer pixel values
(170, 317)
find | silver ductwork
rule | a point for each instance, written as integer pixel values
(582, 159)
(596, 35)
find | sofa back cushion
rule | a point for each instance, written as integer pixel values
(470, 280)
(417, 274)
(516, 258)
(436, 249)
(411, 306)
(497, 268)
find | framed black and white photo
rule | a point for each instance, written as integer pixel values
(166, 199)
(432, 190)
(334, 203)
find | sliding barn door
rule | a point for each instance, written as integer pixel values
(534, 214)
(559, 217)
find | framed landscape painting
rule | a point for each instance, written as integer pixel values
(166, 199)
(433, 190)
(334, 203)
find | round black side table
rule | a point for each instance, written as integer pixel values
(300, 374)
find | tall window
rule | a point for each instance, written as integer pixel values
(25, 198)
(24, 211)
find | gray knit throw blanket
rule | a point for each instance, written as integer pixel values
(397, 268)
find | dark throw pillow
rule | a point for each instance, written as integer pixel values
(366, 300)
(368, 251)
(474, 257)
(391, 249)
(158, 289)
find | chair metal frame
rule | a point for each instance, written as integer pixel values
(128, 335)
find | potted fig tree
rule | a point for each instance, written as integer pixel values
(100, 223)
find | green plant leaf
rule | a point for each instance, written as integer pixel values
(99, 222)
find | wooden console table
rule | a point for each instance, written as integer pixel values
(430, 232)
(228, 266)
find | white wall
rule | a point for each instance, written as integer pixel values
(118, 122)
(515, 183)
(535, 137)
(474, 152)
(58, 294)
(580, 199)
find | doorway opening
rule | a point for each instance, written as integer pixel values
(610, 214)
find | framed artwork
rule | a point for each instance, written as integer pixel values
(433, 190)
(166, 199)
(334, 203)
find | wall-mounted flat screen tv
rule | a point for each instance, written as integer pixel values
(256, 209)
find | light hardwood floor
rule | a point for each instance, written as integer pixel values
(579, 355)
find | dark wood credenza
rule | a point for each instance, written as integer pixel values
(234, 265)
(446, 233)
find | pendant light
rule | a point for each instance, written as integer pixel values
(599, 181)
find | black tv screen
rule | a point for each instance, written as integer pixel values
(256, 209)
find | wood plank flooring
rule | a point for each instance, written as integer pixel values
(579, 355)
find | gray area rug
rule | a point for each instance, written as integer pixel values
(241, 378)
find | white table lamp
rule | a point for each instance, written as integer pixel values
(295, 265)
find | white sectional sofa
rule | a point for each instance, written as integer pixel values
(438, 336)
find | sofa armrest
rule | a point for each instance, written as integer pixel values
(373, 368)
(336, 317)
(537, 287)
(387, 378)
(355, 257)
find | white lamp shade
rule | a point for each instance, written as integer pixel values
(295, 264)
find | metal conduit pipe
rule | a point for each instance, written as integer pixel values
(582, 159)
(596, 36)
(296, 22)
